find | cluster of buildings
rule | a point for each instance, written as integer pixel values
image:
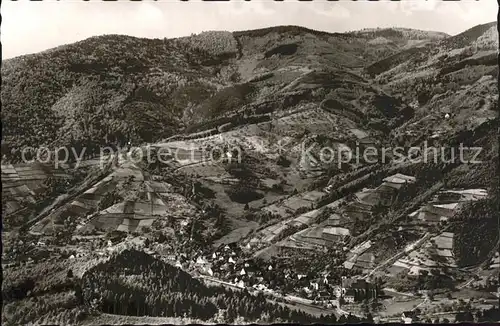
(356, 290)
(226, 265)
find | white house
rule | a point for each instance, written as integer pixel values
(260, 287)
(407, 317)
(337, 290)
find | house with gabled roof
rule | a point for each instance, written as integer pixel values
(349, 296)
(400, 178)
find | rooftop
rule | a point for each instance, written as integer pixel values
(400, 178)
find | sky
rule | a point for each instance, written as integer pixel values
(29, 27)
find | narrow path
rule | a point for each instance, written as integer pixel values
(408, 249)
(408, 210)
(421, 303)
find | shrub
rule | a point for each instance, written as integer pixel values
(243, 194)
(285, 49)
(283, 161)
(226, 100)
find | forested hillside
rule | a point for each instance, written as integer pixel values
(245, 162)
(114, 88)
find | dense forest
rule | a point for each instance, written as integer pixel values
(476, 230)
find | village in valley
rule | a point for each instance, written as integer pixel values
(213, 202)
(304, 261)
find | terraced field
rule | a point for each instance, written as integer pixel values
(436, 252)
(23, 182)
(359, 252)
(131, 216)
(432, 251)
(446, 203)
(495, 261)
(336, 227)
(140, 201)
(287, 209)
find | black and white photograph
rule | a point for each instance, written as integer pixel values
(250, 162)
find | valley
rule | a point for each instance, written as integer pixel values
(231, 190)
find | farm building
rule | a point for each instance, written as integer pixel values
(360, 289)
(349, 296)
(400, 179)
